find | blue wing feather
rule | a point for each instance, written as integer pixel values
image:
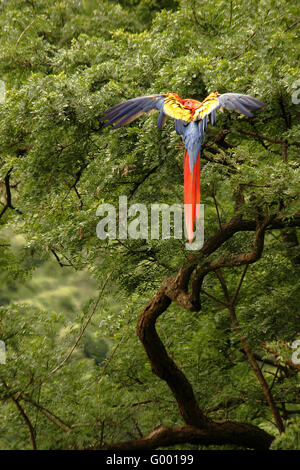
(161, 120)
(180, 125)
(239, 102)
(125, 112)
(213, 117)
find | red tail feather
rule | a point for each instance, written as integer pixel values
(191, 194)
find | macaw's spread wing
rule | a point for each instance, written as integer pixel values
(168, 105)
(191, 122)
(124, 113)
(243, 104)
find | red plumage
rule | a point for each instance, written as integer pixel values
(191, 194)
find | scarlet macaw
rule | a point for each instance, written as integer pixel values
(191, 119)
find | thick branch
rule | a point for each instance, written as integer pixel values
(8, 203)
(240, 434)
(176, 289)
(163, 366)
(274, 140)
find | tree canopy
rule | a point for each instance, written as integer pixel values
(153, 346)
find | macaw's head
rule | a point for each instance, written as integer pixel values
(192, 104)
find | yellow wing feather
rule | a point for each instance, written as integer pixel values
(207, 106)
(176, 110)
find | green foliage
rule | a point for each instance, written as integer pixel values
(64, 63)
(290, 439)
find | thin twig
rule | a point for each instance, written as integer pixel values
(102, 434)
(61, 364)
(292, 25)
(214, 298)
(240, 284)
(260, 377)
(109, 359)
(51, 416)
(217, 210)
(24, 416)
(26, 29)
(57, 258)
